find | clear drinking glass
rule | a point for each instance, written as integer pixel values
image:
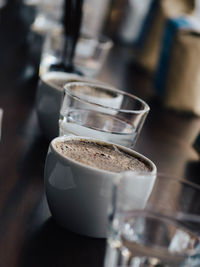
(161, 229)
(103, 112)
(90, 53)
(48, 16)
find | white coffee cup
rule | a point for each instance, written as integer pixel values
(78, 195)
(49, 97)
(48, 101)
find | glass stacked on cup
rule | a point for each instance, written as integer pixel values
(152, 220)
(98, 128)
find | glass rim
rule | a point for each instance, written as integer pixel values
(151, 211)
(69, 92)
(161, 175)
(164, 213)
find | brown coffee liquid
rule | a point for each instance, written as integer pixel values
(101, 156)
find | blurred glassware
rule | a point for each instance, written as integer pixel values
(95, 13)
(49, 14)
(156, 225)
(2, 3)
(90, 53)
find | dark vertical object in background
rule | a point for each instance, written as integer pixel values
(13, 3)
(15, 49)
(72, 23)
(116, 14)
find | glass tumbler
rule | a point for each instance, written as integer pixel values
(103, 112)
(90, 53)
(161, 228)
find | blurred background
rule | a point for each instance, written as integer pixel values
(159, 42)
(152, 50)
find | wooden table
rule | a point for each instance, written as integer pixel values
(28, 235)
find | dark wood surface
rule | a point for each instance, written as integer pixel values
(28, 235)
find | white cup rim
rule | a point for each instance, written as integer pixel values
(64, 75)
(57, 75)
(127, 150)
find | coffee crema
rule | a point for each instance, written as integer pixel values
(103, 156)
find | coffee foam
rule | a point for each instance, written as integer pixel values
(102, 156)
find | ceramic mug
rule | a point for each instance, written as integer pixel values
(78, 195)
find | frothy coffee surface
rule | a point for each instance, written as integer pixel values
(105, 157)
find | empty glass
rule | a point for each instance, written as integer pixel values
(48, 16)
(90, 52)
(159, 228)
(103, 112)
